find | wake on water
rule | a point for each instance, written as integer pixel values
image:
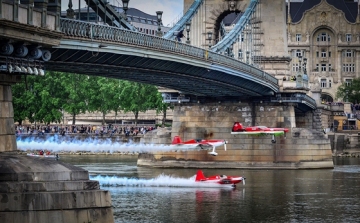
(160, 181)
(58, 144)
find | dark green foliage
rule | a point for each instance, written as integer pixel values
(349, 92)
(44, 98)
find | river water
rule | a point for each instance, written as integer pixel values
(141, 194)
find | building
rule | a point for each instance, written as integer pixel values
(144, 22)
(326, 33)
(323, 42)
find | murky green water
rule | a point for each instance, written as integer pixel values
(139, 195)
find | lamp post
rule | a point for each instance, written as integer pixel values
(125, 7)
(247, 56)
(188, 24)
(159, 18)
(305, 62)
(209, 35)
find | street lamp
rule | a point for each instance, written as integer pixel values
(300, 62)
(247, 56)
(209, 35)
(125, 7)
(188, 24)
(305, 62)
(159, 18)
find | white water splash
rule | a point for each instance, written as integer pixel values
(160, 181)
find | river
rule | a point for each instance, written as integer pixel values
(141, 194)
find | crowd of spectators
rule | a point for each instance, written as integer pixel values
(101, 130)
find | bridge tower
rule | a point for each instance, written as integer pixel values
(268, 39)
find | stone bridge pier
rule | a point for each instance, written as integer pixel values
(34, 189)
(304, 147)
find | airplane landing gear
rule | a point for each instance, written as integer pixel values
(273, 140)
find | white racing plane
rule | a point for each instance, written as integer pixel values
(202, 143)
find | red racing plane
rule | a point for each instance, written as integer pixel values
(258, 130)
(202, 143)
(219, 179)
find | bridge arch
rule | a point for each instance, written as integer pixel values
(219, 12)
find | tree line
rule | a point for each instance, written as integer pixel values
(44, 98)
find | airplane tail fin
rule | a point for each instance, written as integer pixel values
(237, 127)
(176, 140)
(199, 176)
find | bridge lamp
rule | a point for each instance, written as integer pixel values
(305, 62)
(209, 35)
(125, 7)
(159, 19)
(188, 24)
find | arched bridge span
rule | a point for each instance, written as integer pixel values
(94, 49)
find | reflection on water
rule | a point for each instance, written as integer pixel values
(142, 194)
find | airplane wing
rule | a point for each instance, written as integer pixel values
(276, 133)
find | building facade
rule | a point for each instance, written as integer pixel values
(142, 21)
(326, 33)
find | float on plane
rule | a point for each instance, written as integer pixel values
(258, 130)
(196, 143)
(219, 179)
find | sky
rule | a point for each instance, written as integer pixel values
(172, 9)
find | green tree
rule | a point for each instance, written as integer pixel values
(77, 88)
(103, 96)
(38, 98)
(137, 97)
(162, 107)
(23, 100)
(349, 92)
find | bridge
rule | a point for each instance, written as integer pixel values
(120, 51)
(217, 88)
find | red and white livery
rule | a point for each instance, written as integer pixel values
(219, 179)
(258, 130)
(196, 143)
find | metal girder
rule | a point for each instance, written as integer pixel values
(175, 75)
(182, 22)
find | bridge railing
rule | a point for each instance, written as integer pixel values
(30, 14)
(88, 30)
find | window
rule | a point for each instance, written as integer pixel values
(323, 67)
(348, 37)
(298, 37)
(295, 67)
(330, 68)
(298, 53)
(317, 53)
(241, 38)
(348, 82)
(329, 83)
(317, 67)
(348, 53)
(323, 53)
(348, 67)
(323, 83)
(329, 54)
(240, 54)
(323, 37)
